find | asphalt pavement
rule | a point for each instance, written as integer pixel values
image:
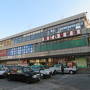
(57, 82)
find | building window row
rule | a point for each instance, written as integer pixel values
(22, 38)
(49, 32)
(19, 50)
(60, 29)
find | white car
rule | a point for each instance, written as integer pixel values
(70, 70)
(45, 73)
(3, 71)
(50, 69)
(53, 70)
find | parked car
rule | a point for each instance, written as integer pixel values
(45, 73)
(70, 70)
(21, 73)
(51, 69)
(3, 71)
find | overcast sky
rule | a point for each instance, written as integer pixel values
(20, 15)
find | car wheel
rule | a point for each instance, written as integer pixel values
(50, 76)
(71, 72)
(27, 81)
(9, 79)
(45, 76)
(51, 73)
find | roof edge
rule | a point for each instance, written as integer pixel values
(47, 25)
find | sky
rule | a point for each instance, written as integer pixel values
(20, 15)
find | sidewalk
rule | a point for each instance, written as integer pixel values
(84, 71)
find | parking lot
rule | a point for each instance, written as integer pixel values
(57, 82)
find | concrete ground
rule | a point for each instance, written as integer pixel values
(57, 82)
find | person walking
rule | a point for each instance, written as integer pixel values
(62, 68)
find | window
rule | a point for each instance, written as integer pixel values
(28, 48)
(27, 69)
(18, 40)
(23, 49)
(82, 24)
(55, 30)
(44, 33)
(32, 37)
(65, 28)
(14, 51)
(59, 30)
(41, 34)
(19, 51)
(48, 32)
(78, 26)
(10, 52)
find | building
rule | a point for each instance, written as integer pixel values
(63, 41)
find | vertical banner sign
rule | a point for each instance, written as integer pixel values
(47, 37)
(61, 35)
(64, 34)
(71, 33)
(58, 35)
(78, 31)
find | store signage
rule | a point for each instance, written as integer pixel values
(62, 35)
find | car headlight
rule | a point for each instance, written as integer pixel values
(34, 76)
(48, 72)
(8, 73)
(41, 74)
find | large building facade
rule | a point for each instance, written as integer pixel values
(66, 40)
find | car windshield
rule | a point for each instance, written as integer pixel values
(57, 65)
(2, 68)
(15, 69)
(27, 69)
(11, 67)
(36, 68)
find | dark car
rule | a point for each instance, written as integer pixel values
(25, 74)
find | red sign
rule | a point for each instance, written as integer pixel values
(61, 35)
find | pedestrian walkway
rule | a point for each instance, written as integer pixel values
(84, 71)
